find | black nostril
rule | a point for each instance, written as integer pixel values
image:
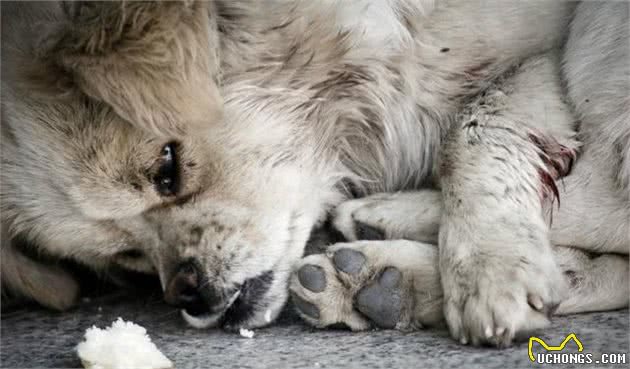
(183, 288)
(190, 290)
(189, 296)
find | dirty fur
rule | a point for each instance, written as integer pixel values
(279, 110)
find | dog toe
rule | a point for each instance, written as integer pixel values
(304, 306)
(312, 277)
(349, 261)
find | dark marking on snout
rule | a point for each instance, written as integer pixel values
(218, 227)
(195, 235)
(253, 290)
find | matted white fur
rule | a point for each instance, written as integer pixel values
(123, 345)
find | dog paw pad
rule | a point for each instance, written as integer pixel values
(381, 301)
(312, 277)
(349, 261)
(305, 307)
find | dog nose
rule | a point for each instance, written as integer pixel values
(183, 289)
(188, 290)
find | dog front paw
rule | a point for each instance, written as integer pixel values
(492, 300)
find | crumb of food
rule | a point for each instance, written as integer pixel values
(268, 316)
(123, 345)
(246, 333)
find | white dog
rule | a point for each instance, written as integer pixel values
(202, 142)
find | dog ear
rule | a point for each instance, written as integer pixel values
(23, 276)
(155, 63)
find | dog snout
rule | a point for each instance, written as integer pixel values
(189, 290)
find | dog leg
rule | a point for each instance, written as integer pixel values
(498, 169)
(403, 215)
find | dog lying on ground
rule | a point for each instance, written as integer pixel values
(202, 142)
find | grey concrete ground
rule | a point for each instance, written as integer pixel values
(32, 337)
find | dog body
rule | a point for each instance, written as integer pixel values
(308, 102)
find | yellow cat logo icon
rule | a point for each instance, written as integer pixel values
(553, 348)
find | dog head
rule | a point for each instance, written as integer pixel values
(118, 152)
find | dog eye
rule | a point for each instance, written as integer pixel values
(167, 177)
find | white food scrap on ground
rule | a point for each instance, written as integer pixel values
(123, 345)
(246, 333)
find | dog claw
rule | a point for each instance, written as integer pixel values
(536, 302)
(500, 331)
